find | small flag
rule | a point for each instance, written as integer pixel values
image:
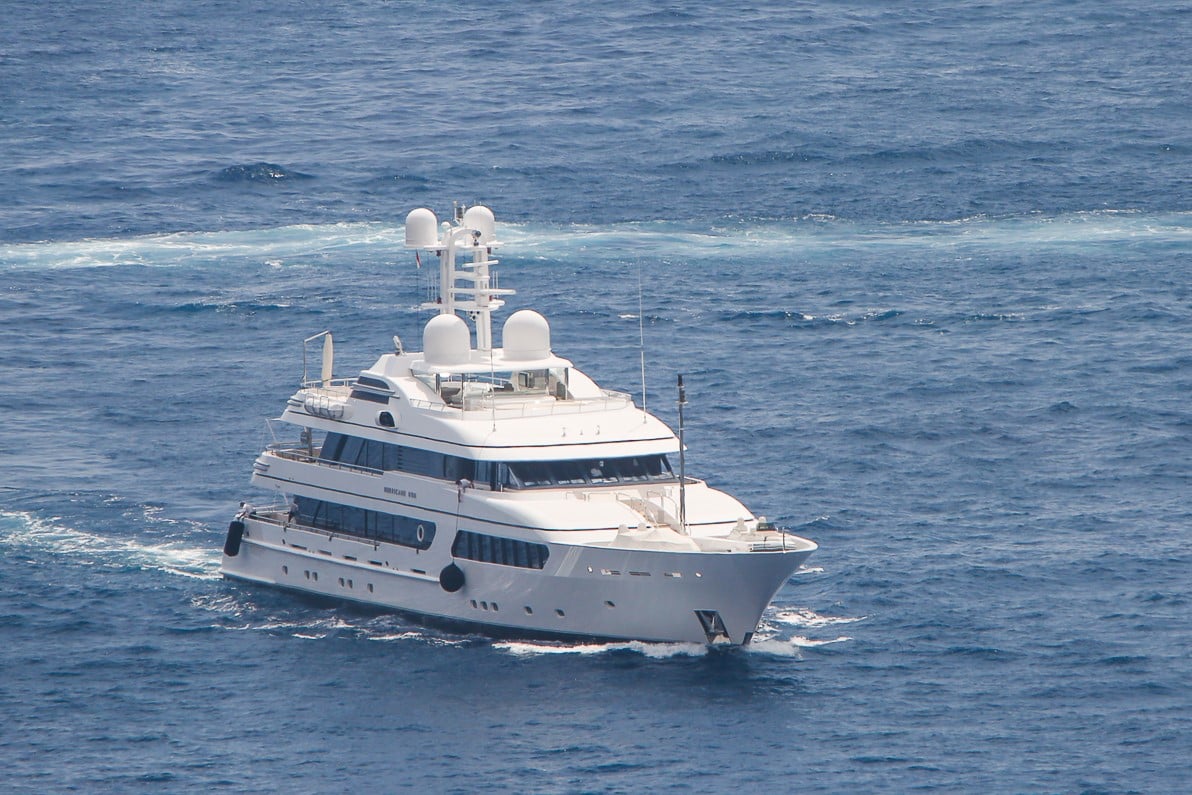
(418, 259)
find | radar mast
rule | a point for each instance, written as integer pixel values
(464, 247)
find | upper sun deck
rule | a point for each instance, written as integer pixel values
(518, 399)
(482, 384)
(530, 412)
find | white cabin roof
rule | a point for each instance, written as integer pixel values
(481, 362)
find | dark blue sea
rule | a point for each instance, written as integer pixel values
(925, 267)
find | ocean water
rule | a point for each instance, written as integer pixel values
(925, 268)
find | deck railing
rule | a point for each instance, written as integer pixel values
(483, 407)
(291, 453)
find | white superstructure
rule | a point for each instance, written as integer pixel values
(500, 488)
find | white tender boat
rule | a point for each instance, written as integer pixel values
(499, 489)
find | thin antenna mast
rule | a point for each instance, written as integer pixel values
(682, 459)
(641, 337)
(492, 386)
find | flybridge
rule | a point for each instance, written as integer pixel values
(464, 284)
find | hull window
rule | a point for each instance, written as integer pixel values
(350, 520)
(502, 551)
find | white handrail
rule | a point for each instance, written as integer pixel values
(482, 407)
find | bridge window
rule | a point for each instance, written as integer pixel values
(384, 456)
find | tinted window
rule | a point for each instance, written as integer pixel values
(499, 550)
(595, 471)
(367, 524)
(332, 447)
(374, 455)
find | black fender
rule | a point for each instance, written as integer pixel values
(451, 578)
(232, 542)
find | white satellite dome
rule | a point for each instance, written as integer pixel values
(446, 340)
(526, 336)
(422, 229)
(481, 219)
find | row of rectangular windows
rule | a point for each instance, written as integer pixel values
(495, 549)
(416, 533)
(383, 456)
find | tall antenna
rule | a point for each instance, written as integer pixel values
(641, 337)
(682, 460)
(492, 380)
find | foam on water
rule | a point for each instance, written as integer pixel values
(809, 618)
(655, 651)
(265, 610)
(273, 246)
(769, 640)
(806, 643)
(805, 570)
(19, 530)
(813, 235)
(771, 238)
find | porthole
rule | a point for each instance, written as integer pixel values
(529, 610)
(314, 575)
(341, 582)
(421, 533)
(559, 613)
(370, 588)
(285, 569)
(385, 419)
(607, 603)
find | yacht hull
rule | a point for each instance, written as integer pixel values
(583, 591)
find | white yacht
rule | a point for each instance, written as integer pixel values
(500, 489)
